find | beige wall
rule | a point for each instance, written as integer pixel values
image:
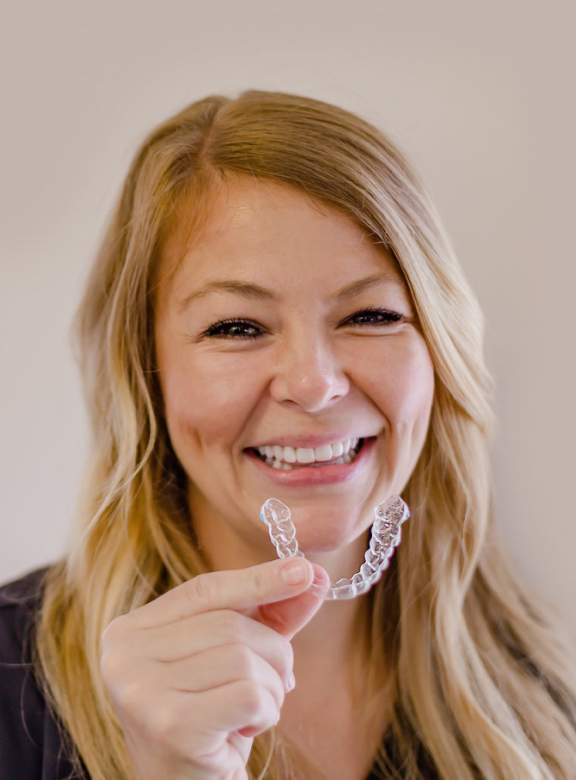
(482, 100)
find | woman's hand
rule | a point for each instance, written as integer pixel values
(200, 671)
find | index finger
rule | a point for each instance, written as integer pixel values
(238, 589)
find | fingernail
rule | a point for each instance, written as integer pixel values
(294, 572)
(291, 684)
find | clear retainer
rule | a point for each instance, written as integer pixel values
(385, 537)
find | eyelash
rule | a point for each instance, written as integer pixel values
(222, 329)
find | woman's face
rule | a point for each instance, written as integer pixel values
(283, 333)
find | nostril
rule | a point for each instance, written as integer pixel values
(310, 383)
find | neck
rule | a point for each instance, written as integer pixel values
(334, 719)
(333, 643)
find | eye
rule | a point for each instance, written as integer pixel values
(374, 317)
(234, 329)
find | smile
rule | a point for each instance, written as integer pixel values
(289, 458)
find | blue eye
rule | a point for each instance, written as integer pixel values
(234, 329)
(374, 317)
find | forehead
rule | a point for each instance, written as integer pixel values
(247, 227)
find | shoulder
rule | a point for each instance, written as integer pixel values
(30, 743)
(19, 604)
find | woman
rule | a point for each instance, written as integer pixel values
(275, 293)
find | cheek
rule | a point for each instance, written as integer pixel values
(403, 387)
(202, 407)
(416, 393)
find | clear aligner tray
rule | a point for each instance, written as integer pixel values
(385, 537)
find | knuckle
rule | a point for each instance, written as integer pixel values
(255, 700)
(202, 590)
(244, 661)
(287, 652)
(260, 583)
(113, 665)
(112, 632)
(115, 651)
(130, 697)
(283, 655)
(279, 696)
(231, 625)
(163, 722)
(276, 692)
(108, 666)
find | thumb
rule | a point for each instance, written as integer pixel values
(289, 616)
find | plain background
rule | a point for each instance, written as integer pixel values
(480, 96)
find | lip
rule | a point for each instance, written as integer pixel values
(319, 475)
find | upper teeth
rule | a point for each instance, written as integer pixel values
(308, 455)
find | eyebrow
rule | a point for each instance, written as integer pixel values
(355, 288)
(256, 292)
(244, 289)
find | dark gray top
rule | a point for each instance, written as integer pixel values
(33, 745)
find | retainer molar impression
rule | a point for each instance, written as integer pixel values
(385, 537)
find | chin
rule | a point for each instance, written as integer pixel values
(328, 536)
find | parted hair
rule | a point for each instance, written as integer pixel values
(480, 684)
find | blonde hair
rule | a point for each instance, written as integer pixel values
(480, 685)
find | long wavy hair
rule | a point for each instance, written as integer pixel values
(480, 685)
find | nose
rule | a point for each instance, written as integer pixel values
(308, 374)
